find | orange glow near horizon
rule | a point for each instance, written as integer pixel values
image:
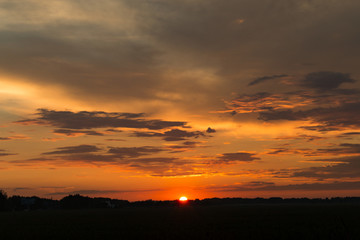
(112, 110)
(183, 199)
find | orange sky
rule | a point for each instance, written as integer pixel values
(158, 99)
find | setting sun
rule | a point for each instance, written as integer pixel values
(183, 199)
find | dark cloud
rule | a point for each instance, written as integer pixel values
(248, 103)
(98, 192)
(5, 138)
(133, 152)
(344, 148)
(249, 186)
(324, 81)
(345, 116)
(146, 162)
(171, 135)
(320, 128)
(308, 138)
(91, 153)
(283, 115)
(15, 137)
(340, 149)
(155, 166)
(349, 135)
(336, 168)
(202, 29)
(115, 140)
(264, 102)
(74, 133)
(280, 151)
(325, 106)
(45, 54)
(228, 158)
(88, 120)
(152, 165)
(113, 130)
(210, 130)
(266, 78)
(125, 157)
(74, 150)
(190, 143)
(3, 153)
(226, 38)
(269, 186)
(185, 146)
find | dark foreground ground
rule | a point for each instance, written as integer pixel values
(304, 222)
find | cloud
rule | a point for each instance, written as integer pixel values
(171, 135)
(178, 55)
(130, 158)
(344, 148)
(320, 128)
(264, 101)
(337, 150)
(308, 138)
(133, 152)
(51, 139)
(15, 137)
(154, 166)
(269, 186)
(185, 146)
(3, 153)
(266, 78)
(324, 110)
(336, 168)
(345, 116)
(181, 25)
(115, 140)
(41, 50)
(138, 47)
(324, 106)
(228, 158)
(210, 130)
(89, 120)
(349, 135)
(74, 133)
(324, 81)
(98, 192)
(74, 150)
(286, 151)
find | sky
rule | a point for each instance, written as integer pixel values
(155, 99)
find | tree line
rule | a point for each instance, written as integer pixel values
(21, 203)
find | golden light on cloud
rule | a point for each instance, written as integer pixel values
(27, 96)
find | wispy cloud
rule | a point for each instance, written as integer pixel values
(4, 153)
(171, 135)
(90, 120)
(270, 186)
(266, 78)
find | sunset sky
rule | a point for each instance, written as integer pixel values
(157, 99)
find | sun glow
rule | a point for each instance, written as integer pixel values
(183, 199)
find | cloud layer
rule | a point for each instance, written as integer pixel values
(89, 120)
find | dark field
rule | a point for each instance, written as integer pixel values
(187, 222)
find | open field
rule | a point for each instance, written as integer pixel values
(200, 222)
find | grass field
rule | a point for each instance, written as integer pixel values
(198, 222)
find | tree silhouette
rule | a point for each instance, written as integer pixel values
(75, 202)
(3, 201)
